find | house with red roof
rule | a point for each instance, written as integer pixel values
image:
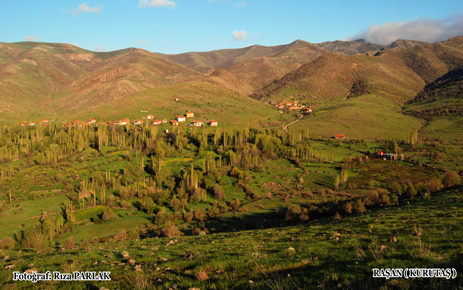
(123, 122)
(23, 124)
(150, 117)
(190, 114)
(340, 136)
(92, 121)
(32, 124)
(213, 123)
(137, 122)
(173, 122)
(180, 118)
(157, 122)
(197, 124)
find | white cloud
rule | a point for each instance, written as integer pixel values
(239, 35)
(31, 38)
(83, 8)
(64, 11)
(241, 4)
(100, 48)
(143, 42)
(419, 29)
(156, 3)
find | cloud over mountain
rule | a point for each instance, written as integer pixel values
(419, 29)
(239, 35)
(31, 38)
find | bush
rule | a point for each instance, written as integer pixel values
(297, 213)
(347, 207)
(171, 231)
(434, 185)
(7, 244)
(451, 178)
(219, 193)
(108, 215)
(360, 206)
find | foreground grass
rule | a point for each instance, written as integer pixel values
(325, 254)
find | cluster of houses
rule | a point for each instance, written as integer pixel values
(123, 122)
(293, 106)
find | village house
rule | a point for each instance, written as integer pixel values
(75, 122)
(45, 121)
(190, 114)
(180, 118)
(137, 122)
(157, 122)
(65, 125)
(379, 153)
(150, 117)
(308, 110)
(32, 124)
(23, 124)
(390, 156)
(340, 136)
(164, 121)
(123, 122)
(213, 123)
(92, 121)
(173, 122)
(196, 123)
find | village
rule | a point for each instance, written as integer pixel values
(150, 118)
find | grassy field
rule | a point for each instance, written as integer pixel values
(323, 254)
(367, 117)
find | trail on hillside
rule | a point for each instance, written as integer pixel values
(286, 127)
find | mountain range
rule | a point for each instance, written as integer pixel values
(65, 81)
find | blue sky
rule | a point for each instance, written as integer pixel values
(177, 26)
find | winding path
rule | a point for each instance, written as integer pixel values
(286, 127)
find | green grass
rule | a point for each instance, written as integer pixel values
(320, 254)
(367, 117)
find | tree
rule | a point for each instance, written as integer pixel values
(360, 206)
(219, 193)
(451, 178)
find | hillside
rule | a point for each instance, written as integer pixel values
(397, 75)
(441, 97)
(359, 46)
(206, 62)
(261, 71)
(38, 78)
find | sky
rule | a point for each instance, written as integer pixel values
(178, 26)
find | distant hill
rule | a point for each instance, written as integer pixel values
(397, 75)
(38, 78)
(442, 97)
(206, 62)
(261, 71)
(359, 46)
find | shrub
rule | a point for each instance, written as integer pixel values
(7, 243)
(360, 206)
(219, 193)
(347, 207)
(171, 231)
(451, 178)
(108, 215)
(297, 213)
(434, 185)
(70, 243)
